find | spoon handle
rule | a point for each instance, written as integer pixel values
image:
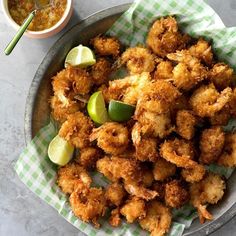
(19, 33)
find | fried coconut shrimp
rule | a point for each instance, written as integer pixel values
(138, 60)
(174, 152)
(157, 220)
(163, 169)
(133, 209)
(208, 191)
(211, 144)
(112, 137)
(100, 71)
(115, 168)
(164, 38)
(228, 157)
(221, 117)
(176, 195)
(203, 51)
(106, 46)
(115, 218)
(221, 75)
(71, 175)
(88, 157)
(76, 130)
(115, 194)
(88, 204)
(164, 71)
(145, 148)
(186, 122)
(206, 100)
(188, 72)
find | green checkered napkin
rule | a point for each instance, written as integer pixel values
(195, 18)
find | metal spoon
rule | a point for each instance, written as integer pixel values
(39, 5)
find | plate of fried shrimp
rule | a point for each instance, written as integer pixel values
(157, 161)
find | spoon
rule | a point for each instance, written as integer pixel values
(39, 5)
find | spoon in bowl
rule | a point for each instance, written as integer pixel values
(39, 5)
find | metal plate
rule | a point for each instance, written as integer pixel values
(37, 108)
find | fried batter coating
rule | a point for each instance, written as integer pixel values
(163, 169)
(203, 51)
(188, 72)
(232, 104)
(136, 189)
(186, 122)
(228, 157)
(88, 157)
(157, 220)
(159, 187)
(176, 195)
(115, 194)
(115, 168)
(115, 219)
(133, 209)
(209, 190)
(76, 130)
(60, 110)
(112, 137)
(221, 75)
(221, 117)
(100, 71)
(164, 71)
(71, 175)
(106, 46)
(211, 144)
(138, 60)
(174, 152)
(88, 204)
(163, 37)
(147, 177)
(129, 88)
(206, 100)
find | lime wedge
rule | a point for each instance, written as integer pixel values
(80, 56)
(60, 151)
(119, 111)
(97, 109)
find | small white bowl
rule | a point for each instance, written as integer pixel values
(44, 33)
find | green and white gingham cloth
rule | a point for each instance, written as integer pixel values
(195, 18)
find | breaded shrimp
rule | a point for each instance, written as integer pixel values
(112, 137)
(222, 117)
(76, 130)
(159, 187)
(147, 177)
(164, 71)
(138, 60)
(206, 100)
(70, 175)
(157, 220)
(176, 194)
(116, 168)
(106, 46)
(188, 72)
(115, 194)
(163, 37)
(163, 169)
(228, 156)
(100, 71)
(186, 122)
(221, 75)
(211, 144)
(209, 190)
(133, 209)
(115, 218)
(88, 157)
(88, 204)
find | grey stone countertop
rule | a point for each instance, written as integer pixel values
(21, 212)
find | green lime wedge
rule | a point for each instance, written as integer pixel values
(80, 56)
(60, 151)
(97, 109)
(119, 111)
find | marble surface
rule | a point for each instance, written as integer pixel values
(21, 212)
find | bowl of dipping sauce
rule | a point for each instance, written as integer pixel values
(47, 21)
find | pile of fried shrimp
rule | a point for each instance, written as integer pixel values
(157, 160)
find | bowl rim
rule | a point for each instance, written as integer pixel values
(7, 14)
(32, 94)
